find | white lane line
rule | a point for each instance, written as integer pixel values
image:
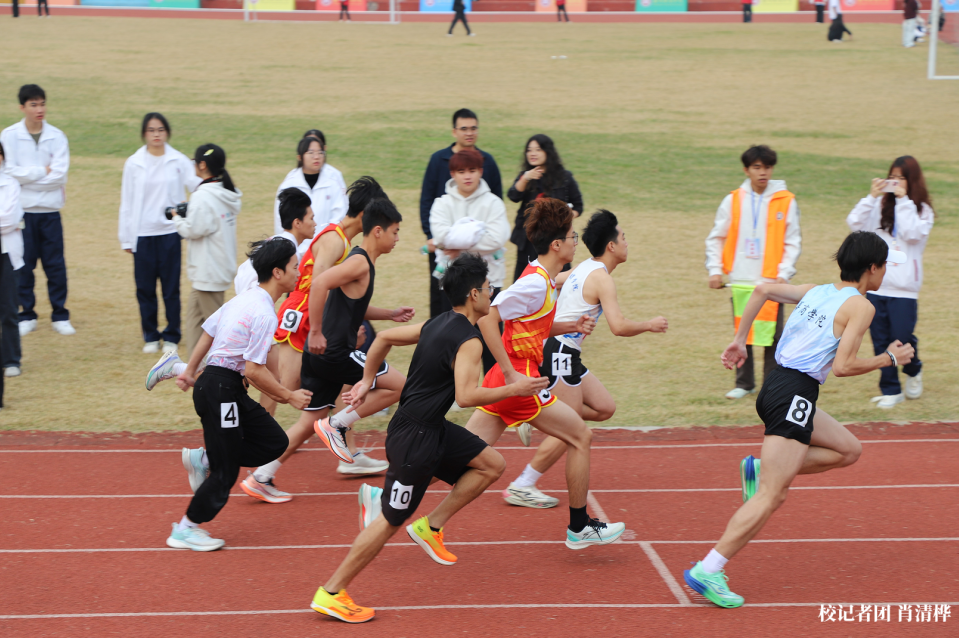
(750, 443)
(665, 574)
(154, 614)
(596, 507)
(480, 543)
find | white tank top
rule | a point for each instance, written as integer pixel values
(808, 343)
(571, 305)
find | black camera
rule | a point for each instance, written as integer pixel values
(179, 209)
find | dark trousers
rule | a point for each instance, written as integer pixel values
(43, 240)
(344, 11)
(745, 376)
(747, 13)
(237, 433)
(895, 319)
(837, 29)
(158, 258)
(42, 3)
(820, 12)
(460, 17)
(10, 338)
(16, 8)
(561, 8)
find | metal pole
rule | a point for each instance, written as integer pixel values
(934, 40)
(392, 11)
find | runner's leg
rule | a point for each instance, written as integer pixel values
(363, 550)
(486, 426)
(832, 446)
(598, 404)
(486, 468)
(561, 421)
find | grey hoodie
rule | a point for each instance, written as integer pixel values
(210, 228)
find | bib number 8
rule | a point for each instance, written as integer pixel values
(291, 320)
(799, 411)
(400, 496)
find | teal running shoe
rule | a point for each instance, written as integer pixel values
(749, 473)
(370, 504)
(712, 586)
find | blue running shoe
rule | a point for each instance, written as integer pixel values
(193, 464)
(749, 473)
(712, 586)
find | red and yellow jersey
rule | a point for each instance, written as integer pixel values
(523, 336)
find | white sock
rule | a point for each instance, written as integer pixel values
(266, 472)
(344, 419)
(528, 478)
(185, 523)
(713, 562)
(178, 369)
(204, 460)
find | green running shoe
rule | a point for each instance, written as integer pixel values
(749, 473)
(712, 586)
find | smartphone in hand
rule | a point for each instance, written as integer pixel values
(890, 186)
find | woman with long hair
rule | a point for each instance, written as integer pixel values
(899, 210)
(542, 175)
(322, 182)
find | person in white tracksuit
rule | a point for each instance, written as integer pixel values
(322, 182)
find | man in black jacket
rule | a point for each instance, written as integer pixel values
(465, 132)
(460, 8)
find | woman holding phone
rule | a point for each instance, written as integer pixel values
(897, 209)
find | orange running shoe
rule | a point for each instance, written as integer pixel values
(340, 606)
(430, 541)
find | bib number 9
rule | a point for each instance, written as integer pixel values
(291, 320)
(400, 496)
(799, 411)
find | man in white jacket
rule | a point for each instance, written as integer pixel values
(11, 260)
(38, 156)
(210, 229)
(755, 239)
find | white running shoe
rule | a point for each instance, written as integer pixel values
(162, 369)
(913, 386)
(169, 347)
(528, 497)
(199, 540)
(888, 401)
(738, 393)
(525, 432)
(193, 464)
(151, 347)
(370, 504)
(64, 327)
(12, 371)
(264, 491)
(595, 533)
(27, 326)
(362, 464)
(334, 438)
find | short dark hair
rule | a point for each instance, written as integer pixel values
(361, 193)
(318, 134)
(547, 220)
(600, 230)
(464, 114)
(859, 251)
(267, 254)
(30, 92)
(304, 145)
(466, 159)
(464, 274)
(293, 205)
(155, 116)
(380, 212)
(761, 153)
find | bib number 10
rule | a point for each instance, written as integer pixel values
(291, 320)
(400, 496)
(799, 411)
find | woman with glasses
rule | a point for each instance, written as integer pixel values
(323, 183)
(542, 175)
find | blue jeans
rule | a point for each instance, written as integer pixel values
(895, 319)
(43, 240)
(158, 257)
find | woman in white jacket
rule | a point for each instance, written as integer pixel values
(11, 260)
(322, 182)
(898, 210)
(157, 176)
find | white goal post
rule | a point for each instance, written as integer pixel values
(934, 42)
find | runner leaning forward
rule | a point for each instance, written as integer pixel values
(824, 332)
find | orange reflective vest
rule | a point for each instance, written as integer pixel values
(775, 233)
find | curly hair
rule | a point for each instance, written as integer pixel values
(547, 220)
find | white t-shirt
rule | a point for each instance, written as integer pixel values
(155, 197)
(246, 278)
(525, 297)
(242, 330)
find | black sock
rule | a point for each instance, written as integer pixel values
(577, 518)
(331, 593)
(434, 529)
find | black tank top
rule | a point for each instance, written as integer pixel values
(343, 316)
(430, 387)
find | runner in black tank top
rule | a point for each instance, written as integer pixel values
(343, 316)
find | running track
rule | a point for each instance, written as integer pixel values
(84, 521)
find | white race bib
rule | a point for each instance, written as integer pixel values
(799, 411)
(400, 496)
(291, 320)
(228, 416)
(561, 364)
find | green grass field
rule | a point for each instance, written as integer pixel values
(650, 118)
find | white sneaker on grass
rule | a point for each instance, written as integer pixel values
(914, 386)
(888, 401)
(151, 347)
(64, 328)
(12, 371)
(370, 504)
(738, 393)
(162, 369)
(528, 497)
(27, 326)
(193, 464)
(596, 532)
(169, 347)
(199, 540)
(362, 464)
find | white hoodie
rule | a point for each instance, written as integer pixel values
(482, 206)
(328, 197)
(210, 227)
(745, 270)
(27, 162)
(11, 237)
(911, 232)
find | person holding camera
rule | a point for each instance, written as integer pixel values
(899, 210)
(155, 178)
(322, 182)
(208, 223)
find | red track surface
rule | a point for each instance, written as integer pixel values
(675, 489)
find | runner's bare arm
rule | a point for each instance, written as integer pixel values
(335, 277)
(399, 315)
(735, 354)
(326, 251)
(381, 346)
(489, 327)
(619, 325)
(853, 320)
(584, 324)
(265, 382)
(466, 368)
(187, 379)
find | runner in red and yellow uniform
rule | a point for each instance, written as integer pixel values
(528, 308)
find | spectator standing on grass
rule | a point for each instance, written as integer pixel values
(156, 177)
(210, 230)
(755, 239)
(460, 8)
(345, 10)
(43, 4)
(903, 218)
(16, 8)
(322, 182)
(820, 11)
(542, 175)
(38, 156)
(435, 179)
(11, 260)
(747, 10)
(561, 10)
(838, 27)
(910, 10)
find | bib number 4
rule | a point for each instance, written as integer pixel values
(799, 411)
(228, 417)
(291, 320)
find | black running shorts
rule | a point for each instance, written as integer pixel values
(417, 452)
(787, 404)
(562, 362)
(325, 379)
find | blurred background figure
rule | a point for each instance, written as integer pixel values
(11, 260)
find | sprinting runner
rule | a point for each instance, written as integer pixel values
(420, 442)
(589, 290)
(528, 307)
(237, 431)
(330, 247)
(824, 332)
